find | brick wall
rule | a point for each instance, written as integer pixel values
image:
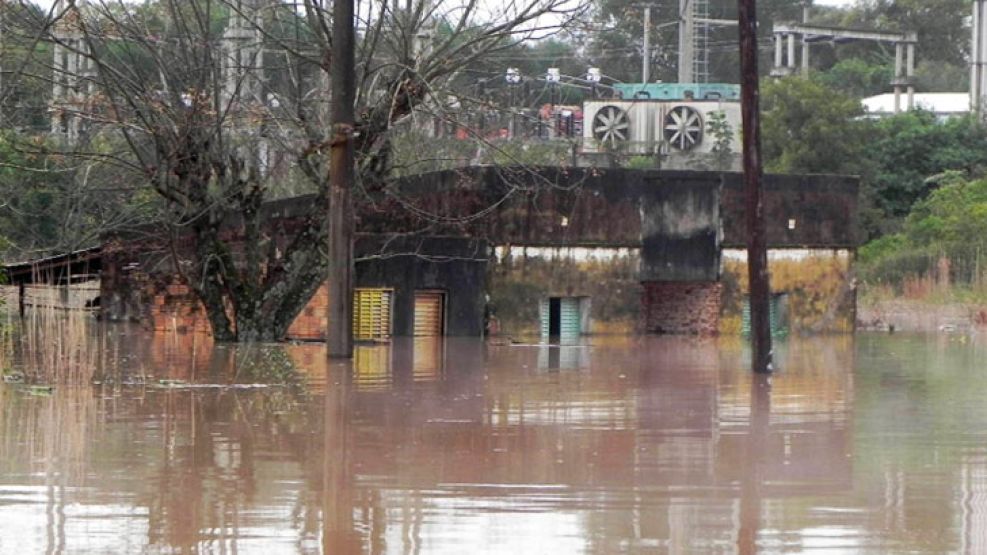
(683, 308)
(311, 322)
(174, 308)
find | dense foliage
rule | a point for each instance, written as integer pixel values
(951, 224)
(811, 128)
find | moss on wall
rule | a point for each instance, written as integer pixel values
(520, 278)
(819, 287)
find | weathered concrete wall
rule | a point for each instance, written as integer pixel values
(680, 223)
(823, 209)
(140, 284)
(458, 267)
(678, 220)
(819, 290)
(682, 307)
(607, 207)
(521, 277)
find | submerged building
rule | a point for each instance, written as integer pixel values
(546, 251)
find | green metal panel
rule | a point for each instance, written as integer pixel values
(678, 91)
(778, 329)
(571, 326)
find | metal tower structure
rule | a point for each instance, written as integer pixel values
(700, 41)
(242, 64)
(694, 29)
(72, 72)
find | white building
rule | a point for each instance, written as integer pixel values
(943, 105)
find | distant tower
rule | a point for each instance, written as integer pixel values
(978, 60)
(242, 69)
(700, 41)
(72, 72)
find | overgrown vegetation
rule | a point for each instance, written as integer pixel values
(817, 289)
(941, 251)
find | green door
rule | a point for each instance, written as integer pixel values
(778, 328)
(543, 316)
(570, 326)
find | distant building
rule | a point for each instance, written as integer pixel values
(943, 105)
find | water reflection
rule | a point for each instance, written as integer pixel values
(431, 445)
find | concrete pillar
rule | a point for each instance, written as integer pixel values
(976, 57)
(58, 73)
(779, 50)
(805, 56)
(898, 73)
(791, 51)
(686, 41)
(910, 74)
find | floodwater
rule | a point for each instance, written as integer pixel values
(876, 444)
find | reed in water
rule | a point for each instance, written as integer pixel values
(53, 343)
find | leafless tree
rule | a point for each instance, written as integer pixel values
(218, 106)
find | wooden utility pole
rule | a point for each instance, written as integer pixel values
(757, 252)
(341, 178)
(646, 58)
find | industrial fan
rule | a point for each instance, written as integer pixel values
(611, 126)
(684, 128)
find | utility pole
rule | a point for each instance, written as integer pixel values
(687, 29)
(341, 176)
(757, 253)
(646, 57)
(978, 60)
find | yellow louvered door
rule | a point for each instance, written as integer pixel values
(371, 314)
(429, 311)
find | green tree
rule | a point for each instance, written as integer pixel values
(913, 147)
(950, 222)
(809, 128)
(857, 77)
(943, 34)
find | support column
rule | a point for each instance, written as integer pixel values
(779, 51)
(805, 56)
(978, 58)
(791, 52)
(910, 74)
(21, 300)
(898, 72)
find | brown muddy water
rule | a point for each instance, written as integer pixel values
(622, 445)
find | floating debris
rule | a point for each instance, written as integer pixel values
(13, 377)
(179, 384)
(40, 390)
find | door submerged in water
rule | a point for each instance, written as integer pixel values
(372, 314)
(429, 313)
(563, 317)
